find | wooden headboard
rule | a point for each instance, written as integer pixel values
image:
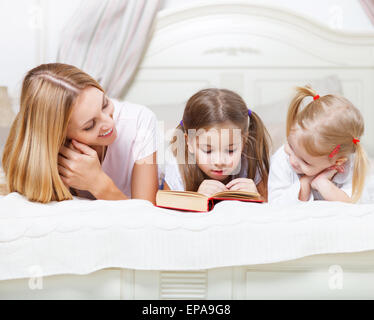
(261, 52)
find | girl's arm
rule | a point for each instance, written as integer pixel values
(305, 188)
(328, 190)
(144, 182)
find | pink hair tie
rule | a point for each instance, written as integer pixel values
(316, 97)
(335, 151)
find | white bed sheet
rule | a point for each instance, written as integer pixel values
(82, 236)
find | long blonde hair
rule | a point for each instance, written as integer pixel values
(327, 122)
(39, 130)
(212, 106)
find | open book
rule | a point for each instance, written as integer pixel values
(194, 201)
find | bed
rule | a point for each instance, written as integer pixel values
(84, 249)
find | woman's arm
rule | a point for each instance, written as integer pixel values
(144, 181)
(80, 169)
(105, 189)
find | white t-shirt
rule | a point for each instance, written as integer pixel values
(174, 179)
(136, 139)
(284, 182)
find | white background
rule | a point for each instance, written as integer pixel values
(30, 29)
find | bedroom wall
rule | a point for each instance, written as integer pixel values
(30, 29)
(342, 14)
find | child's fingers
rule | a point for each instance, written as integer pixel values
(217, 184)
(231, 183)
(238, 186)
(330, 173)
(209, 187)
(210, 191)
(244, 186)
(239, 180)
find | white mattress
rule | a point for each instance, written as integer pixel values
(82, 236)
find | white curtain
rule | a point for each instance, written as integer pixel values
(107, 38)
(368, 6)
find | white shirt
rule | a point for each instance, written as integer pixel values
(284, 182)
(174, 179)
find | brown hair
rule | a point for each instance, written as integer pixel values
(327, 122)
(210, 107)
(39, 130)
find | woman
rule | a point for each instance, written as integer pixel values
(70, 138)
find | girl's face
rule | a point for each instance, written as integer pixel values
(218, 150)
(91, 120)
(303, 163)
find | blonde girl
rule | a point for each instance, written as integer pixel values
(219, 145)
(69, 138)
(323, 158)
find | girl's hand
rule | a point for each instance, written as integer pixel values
(306, 180)
(242, 184)
(325, 175)
(79, 166)
(210, 187)
(305, 187)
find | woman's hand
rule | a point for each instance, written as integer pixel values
(210, 187)
(79, 166)
(242, 184)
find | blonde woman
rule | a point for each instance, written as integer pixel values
(69, 139)
(323, 158)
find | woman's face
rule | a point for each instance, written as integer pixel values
(91, 120)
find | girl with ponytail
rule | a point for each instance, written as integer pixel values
(323, 158)
(219, 145)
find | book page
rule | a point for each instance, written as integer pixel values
(183, 193)
(237, 195)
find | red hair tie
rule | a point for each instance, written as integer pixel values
(316, 97)
(335, 151)
(355, 140)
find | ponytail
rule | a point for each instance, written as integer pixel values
(359, 172)
(191, 175)
(342, 130)
(293, 110)
(258, 147)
